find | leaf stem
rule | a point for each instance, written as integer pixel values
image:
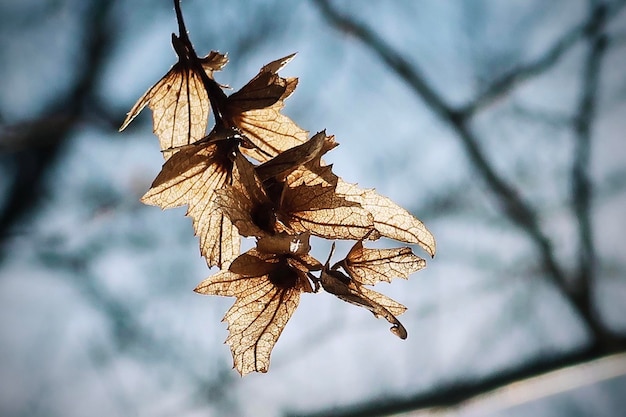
(217, 97)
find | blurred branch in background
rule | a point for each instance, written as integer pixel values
(131, 337)
(32, 147)
(506, 389)
(576, 286)
(32, 151)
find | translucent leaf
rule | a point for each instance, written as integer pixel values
(264, 90)
(219, 238)
(268, 290)
(336, 283)
(255, 110)
(179, 103)
(256, 319)
(245, 202)
(289, 160)
(390, 220)
(191, 177)
(319, 210)
(369, 266)
(382, 300)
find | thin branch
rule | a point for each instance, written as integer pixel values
(582, 290)
(540, 65)
(127, 331)
(518, 210)
(48, 132)
(513, 205)
(574, 366)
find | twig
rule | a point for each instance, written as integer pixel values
(453, 395)
(545, 61)
(582, 290)
(32, 165)
(518, 210)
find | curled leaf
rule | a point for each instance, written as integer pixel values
(390, 220)
(268, 290)
(264, 90)
(370, 266)
(287, 161)
(255, 111)
(340, 285)
(179, 101)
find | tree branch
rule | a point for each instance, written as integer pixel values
(582, 290)
(544, 62)
(47, 133)
(514, 207)
(451, 395)
(518, 210)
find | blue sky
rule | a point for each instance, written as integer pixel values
(479, 306)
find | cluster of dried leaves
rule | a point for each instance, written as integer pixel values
(257, 174)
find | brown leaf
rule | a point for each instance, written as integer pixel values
(256, 319)
(191, 177)
(390, 220)
(219, 239)
(287, 161)
(369, 266)
(387, 303)
(254, 263)
(255, 111)
(268, 290)
(179, 102)
(264, 90)
(340, 285)
(312, 205)
(245, 202)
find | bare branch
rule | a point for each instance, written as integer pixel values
(544, 62)
(582, 291)
(518, 210)
(31, 165)
(576, 372)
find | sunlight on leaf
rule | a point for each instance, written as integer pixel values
(191, 177)
(390, 220)
(179, 103)
(340, 285)
(267, 288)
(255, 111)
(319, 210)
(257, 175)
(370, 266)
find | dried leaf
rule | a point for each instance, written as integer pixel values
(338, 284)
(369, 266)
(287, 161)
(219, 239)
(179, 102)
(390, 220)
(264, 90)
(255, 111)
(317, 209)
(268, 290)
(254, 263)
(256, 319)
(387, 303)
(191, 177)
(246, 203)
